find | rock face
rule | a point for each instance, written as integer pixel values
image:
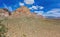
(22, 10)
(4, 12)
(26, 12)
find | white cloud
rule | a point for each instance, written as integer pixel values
(30, 8)
(33, 7)
(29, 1)
(21, 4)
(39, 12)
(41, 7)
(36, 7)
(53, 12)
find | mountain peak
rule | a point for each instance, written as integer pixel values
(22, 10)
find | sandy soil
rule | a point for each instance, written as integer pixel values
(34, 28)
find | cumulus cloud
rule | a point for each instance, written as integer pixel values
(41, 7)
(36, 7)
(33, 7)
(29, 1)
(53, 12)
(21, 4)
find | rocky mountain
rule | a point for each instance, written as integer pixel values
(22, 10)
(25, 11)
(4, 12)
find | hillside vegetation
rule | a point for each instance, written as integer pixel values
(32, 27)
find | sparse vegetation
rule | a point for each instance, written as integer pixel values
(26, 24)
(3, 29)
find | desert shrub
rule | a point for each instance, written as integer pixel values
(3, 29)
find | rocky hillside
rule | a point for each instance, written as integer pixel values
(4, 12)
(22, 26)
(22, 11)
(32, 27)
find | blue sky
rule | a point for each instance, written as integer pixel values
(43, 7)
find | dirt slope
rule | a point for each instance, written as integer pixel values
(32, 27)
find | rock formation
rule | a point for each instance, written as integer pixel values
(22, 11)
(4, 12)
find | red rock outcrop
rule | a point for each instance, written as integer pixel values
(22, 11)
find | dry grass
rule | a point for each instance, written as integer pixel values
(32, 27)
